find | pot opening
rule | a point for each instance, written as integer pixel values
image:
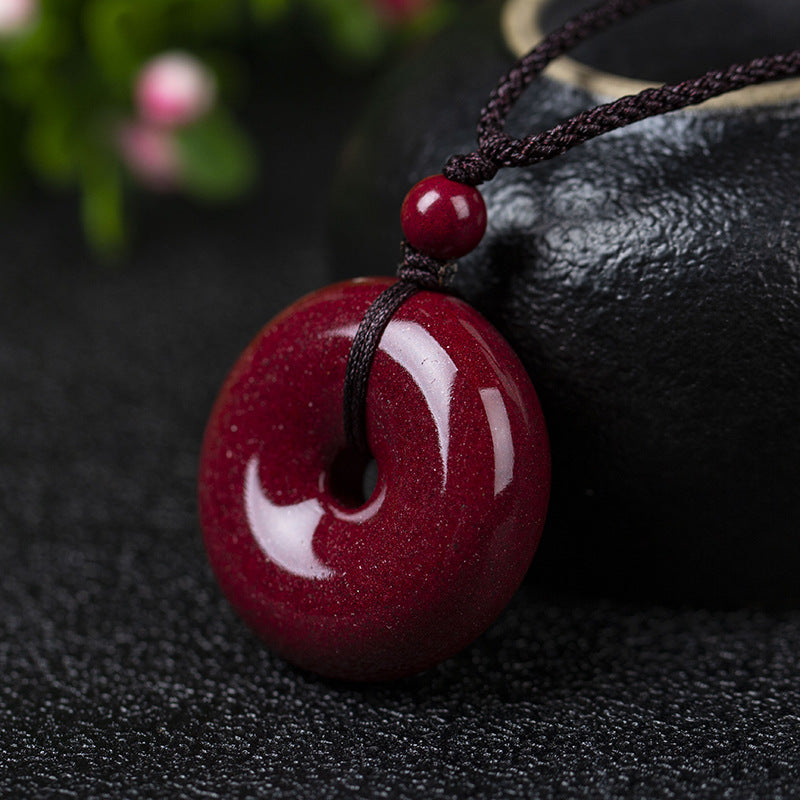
(682, 39)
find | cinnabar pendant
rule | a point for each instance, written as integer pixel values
(385, 586)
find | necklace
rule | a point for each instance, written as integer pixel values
(382, 581)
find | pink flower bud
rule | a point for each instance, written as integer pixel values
(174, 89)
(151, 155)
(17, 15)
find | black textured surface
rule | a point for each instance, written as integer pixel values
(649, 282)
(124, 674)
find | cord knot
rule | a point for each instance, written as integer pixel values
(471, 169)
(425, 272)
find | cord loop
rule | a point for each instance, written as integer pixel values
(472, 169)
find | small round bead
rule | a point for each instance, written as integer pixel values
(442, 218)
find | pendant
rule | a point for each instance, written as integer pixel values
(385, 581)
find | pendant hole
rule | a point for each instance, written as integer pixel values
(352, 478)
(370, 479)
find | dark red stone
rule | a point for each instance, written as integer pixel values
(442, 218)
(388, 587)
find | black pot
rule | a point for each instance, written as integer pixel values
(649, 280)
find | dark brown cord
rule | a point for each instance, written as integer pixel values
(497, 149)
(482, 165)
(416, 271)
(362, 354)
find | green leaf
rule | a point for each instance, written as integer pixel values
(45, 41)
(217, 159)
(269, 11)
(51, 143)
(355, 29)
(116, 37)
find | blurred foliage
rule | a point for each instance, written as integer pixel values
(68, 78)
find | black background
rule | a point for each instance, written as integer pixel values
(123, 672)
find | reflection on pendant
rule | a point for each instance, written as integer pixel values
(284, 533)
(502, 440)
(429, 366)
(365, 513)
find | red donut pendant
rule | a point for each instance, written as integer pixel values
(384, 586)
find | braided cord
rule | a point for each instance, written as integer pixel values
(497, 149)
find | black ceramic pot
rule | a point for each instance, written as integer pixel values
(649, 280)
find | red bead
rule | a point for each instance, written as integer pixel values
(442, 218)
(387, 586)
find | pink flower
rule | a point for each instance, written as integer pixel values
(174, 89)
(397, 11)
(17, 15)
(150, 154)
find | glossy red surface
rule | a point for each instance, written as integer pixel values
(388, 587)
(442, 218)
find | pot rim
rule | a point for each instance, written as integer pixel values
(520, 22)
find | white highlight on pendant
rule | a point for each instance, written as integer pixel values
(461, 206)
(430, 367)
(427, 200)
(285, 534)
(502, 442)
